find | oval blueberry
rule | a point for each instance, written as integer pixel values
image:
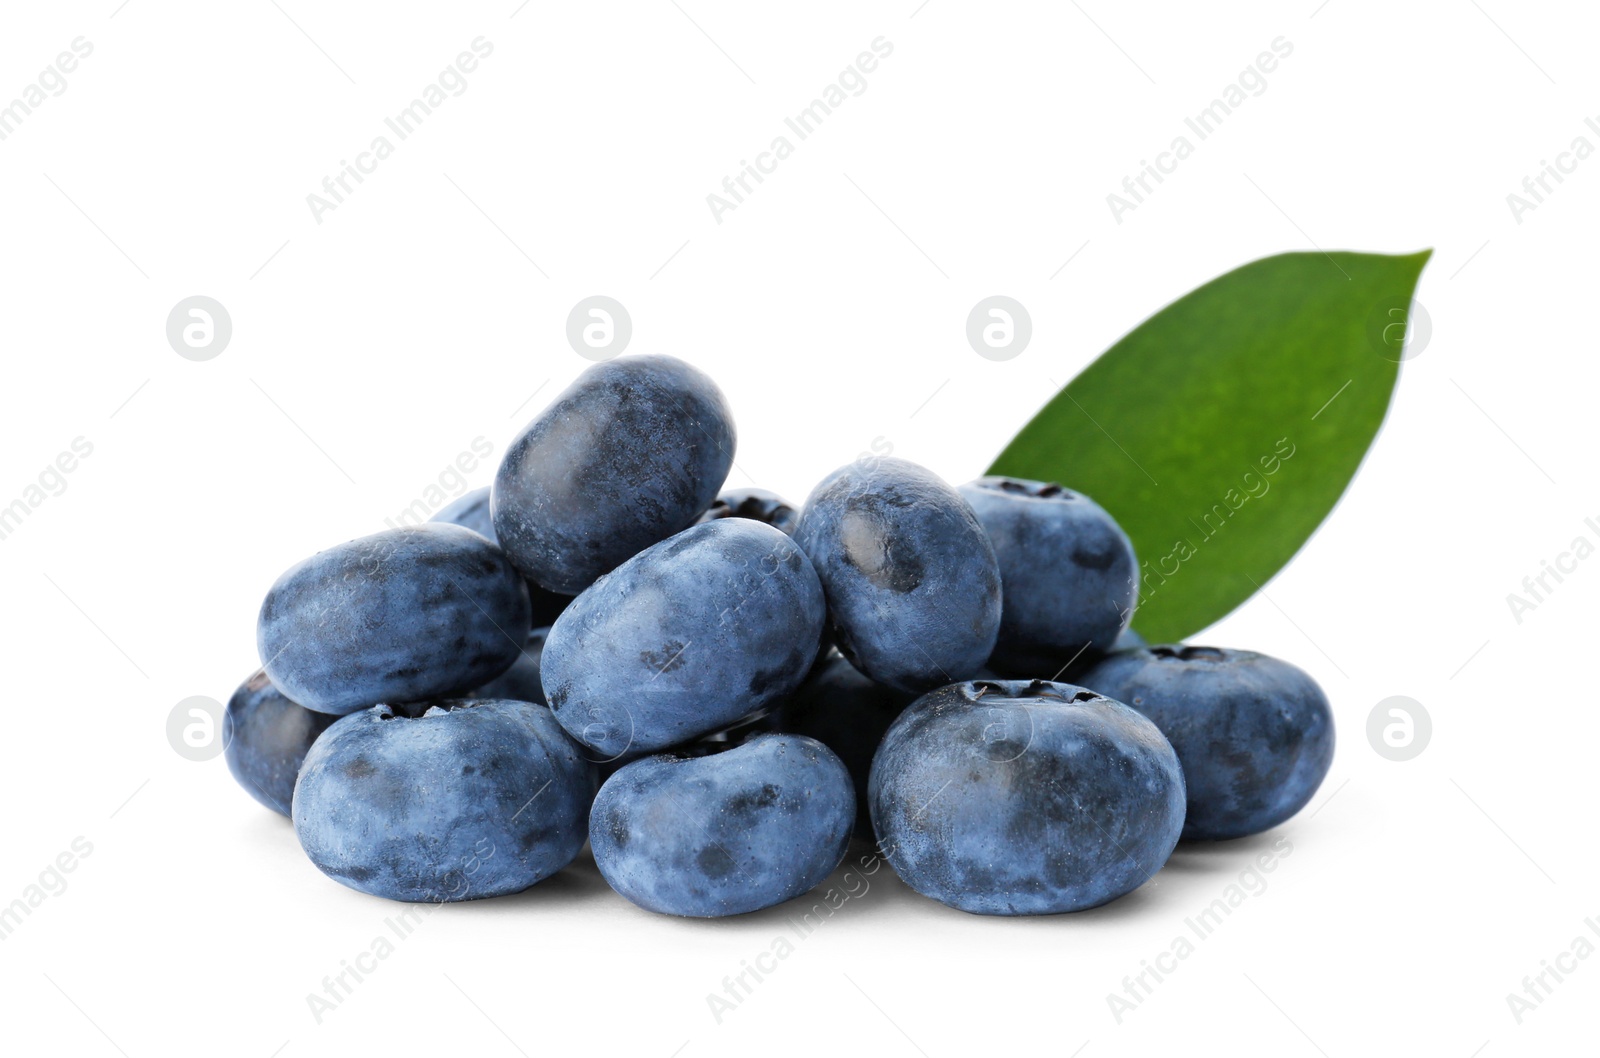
(450, 801)
(471, 511)
(265, 738)
(1255, 734)
(735, 831)
(629, 454)
(400, 615)
(684, 638)
(912, 584)
(1067, 572)
(1024, 798)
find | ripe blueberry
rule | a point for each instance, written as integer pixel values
(684, 638)
(443, 801)
(725, 833)
(631, 453)
(1024, 798)
(265, 738)
(400, 615)
(1067, 569)
(1255, 734)
(912, 585)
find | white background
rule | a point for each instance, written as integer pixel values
(371, 348)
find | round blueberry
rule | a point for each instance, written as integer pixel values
(400, 615)
(471, 511)
(848, 713)
(1024, 798)
(631, 453)
(1255, 734)
(757, 504)
(912, 585)
(447, 801)
(265, 736)
(684, 638)
(725, 833)
(1068, 573)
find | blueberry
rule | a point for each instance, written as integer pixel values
(522, 681)
(471, 511)
(724, 833)
(1068, 571)
(447, 801)
(912, 585)
(265, 736)
(631, 453)
(1024, 798)
(400, 615)
(758, 504)
(848, 713)
(1255, 734)
(684, 638)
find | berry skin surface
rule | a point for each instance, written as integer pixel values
(522, 681)
(684, 639)
(726, 833)
(447, 801)
(1025, 797)
(265, 738)
(1068, 573)
(848, 713)
(912, 583)
(757, 504)
(629, 454)
(1255, 734)
(401, 615)
(471, 511)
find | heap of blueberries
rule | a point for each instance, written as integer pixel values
(718, 692)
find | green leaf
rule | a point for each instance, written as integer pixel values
(1224, 428)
